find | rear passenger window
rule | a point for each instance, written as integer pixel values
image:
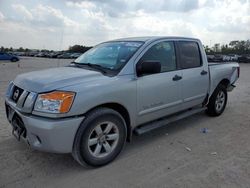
(189, 54)
(163, 52)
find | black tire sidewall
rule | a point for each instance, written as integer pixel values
(212, 107)
(225, 102)
(14, 59)
(81, 142)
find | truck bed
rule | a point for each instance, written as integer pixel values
(222, 70)
(220, 62)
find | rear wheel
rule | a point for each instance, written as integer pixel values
(217, 102)
(100, 138)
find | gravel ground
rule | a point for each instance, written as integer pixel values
(178, 155)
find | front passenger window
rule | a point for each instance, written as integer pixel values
(163, 52)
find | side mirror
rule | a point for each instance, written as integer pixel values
(148, 67)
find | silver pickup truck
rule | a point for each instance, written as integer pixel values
(91, 107)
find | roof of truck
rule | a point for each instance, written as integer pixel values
(152, 38)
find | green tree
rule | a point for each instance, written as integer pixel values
(208, 50)
(78, 48)
(20, 49)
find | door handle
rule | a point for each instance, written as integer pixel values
(177, 77)
(203, 72)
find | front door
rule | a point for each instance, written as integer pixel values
(159, 95)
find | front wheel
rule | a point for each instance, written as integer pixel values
(217, 102)
(14, 59)
(100, 138)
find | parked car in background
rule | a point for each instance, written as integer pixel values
(40, 54)
(65, 56)
(75, 55)
(215, 58)
(233, 57)
(226, 58)
(7, 56)
(18, 53)
(218, 58)
(244, 58)
(54, 54)
(210, 58)
(31, 53)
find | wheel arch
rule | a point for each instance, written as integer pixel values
(211, 105)
(224, 82)
(122, 111)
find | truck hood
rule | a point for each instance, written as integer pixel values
(55, 78)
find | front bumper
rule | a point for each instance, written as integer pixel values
(46, 134)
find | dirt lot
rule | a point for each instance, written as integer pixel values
(157, 159)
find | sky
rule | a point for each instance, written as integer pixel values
(58, 24)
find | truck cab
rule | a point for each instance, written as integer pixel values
(181, 83)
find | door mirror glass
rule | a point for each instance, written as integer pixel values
(148, 67)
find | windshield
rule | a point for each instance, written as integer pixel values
(110, 55)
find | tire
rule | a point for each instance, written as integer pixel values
(217, 102)
(100, 138)
(14, 59)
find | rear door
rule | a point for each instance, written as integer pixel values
(159, 94)
(195, 82)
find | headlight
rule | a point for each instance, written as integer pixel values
(54, 102)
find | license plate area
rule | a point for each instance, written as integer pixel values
(18, 128)
(9, 112)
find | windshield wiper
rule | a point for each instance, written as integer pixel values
(94, 66)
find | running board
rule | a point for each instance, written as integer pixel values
(162, 122)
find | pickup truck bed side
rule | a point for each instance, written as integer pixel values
(218, 72)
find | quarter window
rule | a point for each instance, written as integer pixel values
(189, 54)
(163, 52)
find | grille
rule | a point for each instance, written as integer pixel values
(17, 92)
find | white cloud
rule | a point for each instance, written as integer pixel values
(205, 19)
(42, 26)
(22, 10)
(43, 15)
(167, 6)
(52, 17)
(90, 22)
(1, 17)
(83, 5)
(48, 16)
